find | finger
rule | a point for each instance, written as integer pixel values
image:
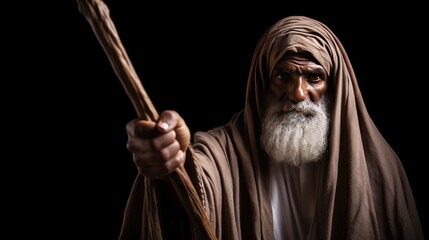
(153, 158)
(141, 128)
(168, 120)
(162, 170)
(144, 144)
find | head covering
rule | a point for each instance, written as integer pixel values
(365, 192)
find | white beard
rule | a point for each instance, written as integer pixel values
(295, 134)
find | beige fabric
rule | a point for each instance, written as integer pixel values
(364, 192)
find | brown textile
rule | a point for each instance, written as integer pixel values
(365, 193)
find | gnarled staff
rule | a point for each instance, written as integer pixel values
(97, 14)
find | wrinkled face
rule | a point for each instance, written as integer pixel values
(295, 123)
(298, 78)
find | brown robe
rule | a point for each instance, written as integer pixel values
(364, 191)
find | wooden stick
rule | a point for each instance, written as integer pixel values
(97, 14)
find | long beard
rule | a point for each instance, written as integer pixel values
(295, 134)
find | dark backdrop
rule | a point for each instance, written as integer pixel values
(71, 110)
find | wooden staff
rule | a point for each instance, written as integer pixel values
(97, 14)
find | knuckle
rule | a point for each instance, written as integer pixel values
(130, 146)
(155, 144)
(164, 154)
(130, 127)
(166, 168)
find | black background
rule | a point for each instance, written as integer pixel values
(67, 109)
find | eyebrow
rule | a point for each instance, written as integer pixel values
(307, 69)
(315, 69)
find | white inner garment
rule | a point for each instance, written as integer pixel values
(293, 192)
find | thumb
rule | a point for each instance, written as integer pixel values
(171, 120)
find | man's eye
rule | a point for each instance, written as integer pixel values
(284, 76)
(314, 77)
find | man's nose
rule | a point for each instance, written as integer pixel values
(297, 89)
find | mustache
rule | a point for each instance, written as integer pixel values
(306, 107)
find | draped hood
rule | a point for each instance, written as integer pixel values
(365, 192)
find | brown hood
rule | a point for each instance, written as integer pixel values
(365, 189)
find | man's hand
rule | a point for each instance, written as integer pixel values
(158, 147)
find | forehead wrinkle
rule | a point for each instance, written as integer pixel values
(299, 68)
